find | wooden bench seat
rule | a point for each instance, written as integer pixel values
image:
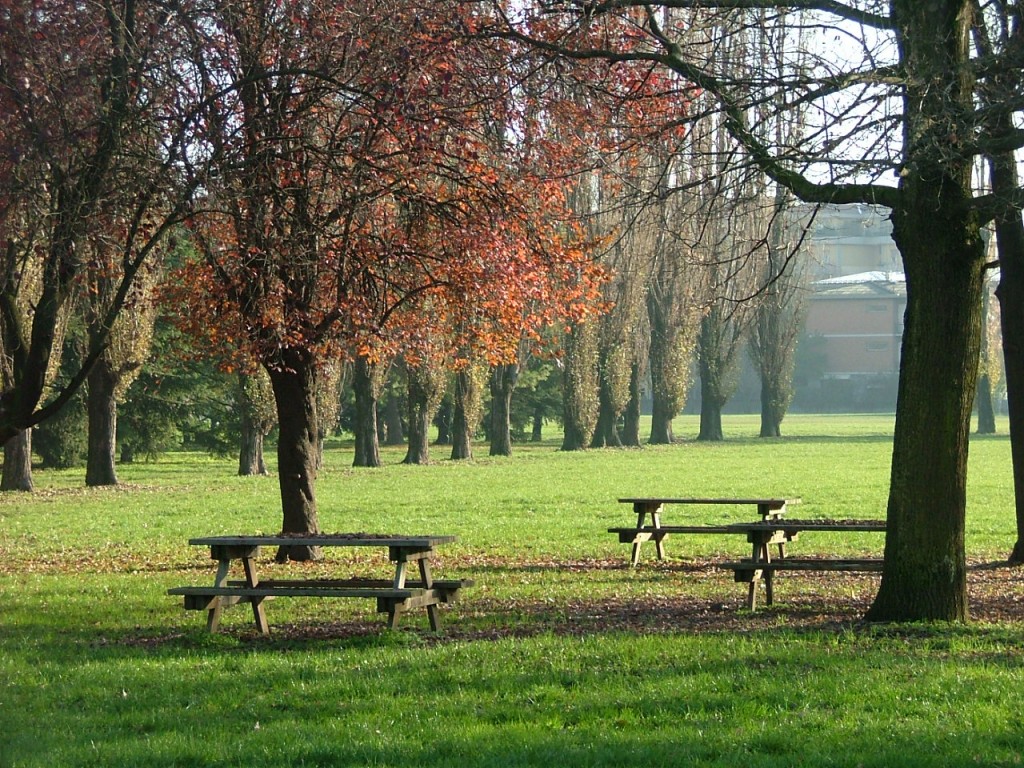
(445, 590)
(751, 572)
(413, 595)
(744, 569)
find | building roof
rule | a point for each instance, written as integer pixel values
(862, 285)
(865, 277)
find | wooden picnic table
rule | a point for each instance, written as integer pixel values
(760, 567)
(393, 596)
(656, 531)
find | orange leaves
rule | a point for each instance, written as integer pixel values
(382, 188)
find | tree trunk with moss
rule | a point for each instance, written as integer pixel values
(426, 387)
(581, 384)
(367, 380)
(466, 401)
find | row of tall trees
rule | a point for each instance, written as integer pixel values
(342, 179)
(901, 104)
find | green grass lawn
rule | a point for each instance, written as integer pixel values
(559, 655)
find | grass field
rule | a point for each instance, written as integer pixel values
(559, 655)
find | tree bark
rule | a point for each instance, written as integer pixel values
(939, 238)
(983, 397)
(669, 373)
(102, 411)
(718, 348)
(537, 433)
(580, 398)
(418, 450)
(983, 405)
(17, 474)
(631, 416)
(444, 420)
(771, 414)
(366, 388)
(662, 414)
(424, 391)
(1010, 294)
(464, 410)
(606, 431)
(925, 575)
(294, 383)
(250, 453)
(710, 412)
(251, 460)
(394, 433)
(503, 382)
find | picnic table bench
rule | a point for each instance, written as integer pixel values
(760, 567)
(394, 596)
(767, 509)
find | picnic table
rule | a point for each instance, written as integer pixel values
(656, 531)
(760, 567)
(394, 596)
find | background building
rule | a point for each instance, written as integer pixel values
(851, 343)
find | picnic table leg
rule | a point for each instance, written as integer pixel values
(642, 511)
(659, 544)
(220, 580)
(428, 582)
(252, 579)
(401, 570)
(761, 554)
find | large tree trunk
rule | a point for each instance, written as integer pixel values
(983, 404)
(1010, 294)
(925, 572)
(394, 434)
(424, 395)
(771, 413)
(580, 399)
(631, 416)
(669, 357)
(537, 432)
(366, 385)
(102, 411)
(662, 414)
(251, 460)
(718, 348)
(606, 432)
(294, 383)
(710, 408)
(502, 384)
(17, 474)
(465, 409)
(418, 450)
(983, 397)
(250, 452)
(444, 421)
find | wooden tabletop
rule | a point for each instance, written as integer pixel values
(324, 540)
